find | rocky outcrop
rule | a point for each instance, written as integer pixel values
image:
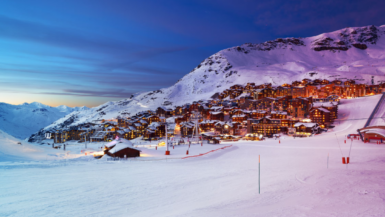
(360, 46)
(348, 38)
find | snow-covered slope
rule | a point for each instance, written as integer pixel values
(351, 53)
(298, 177)
(16, 150)
(22, 120)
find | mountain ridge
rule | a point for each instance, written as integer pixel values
(25, 119)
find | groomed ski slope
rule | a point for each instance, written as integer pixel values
(379, 115)
(295, 180)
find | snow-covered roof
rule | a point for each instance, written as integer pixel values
(208, 122)
(305, 124)
(216, 108)
(119, 147)
(379, 131)
(324, 110)
(216, 113)
(131, 128)
(279, 112)
(239, 116)
(222, 123)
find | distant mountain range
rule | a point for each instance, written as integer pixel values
(351, 53)
(22, 120)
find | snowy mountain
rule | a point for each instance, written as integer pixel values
(352, 53)
(22, 120)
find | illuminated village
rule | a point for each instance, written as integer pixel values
(247, 112)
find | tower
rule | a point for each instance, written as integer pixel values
(195, 117)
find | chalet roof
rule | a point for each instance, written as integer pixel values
(259, 111)
(269, 98)
(99, 135)
(323, 109)
(187, 124)
(208, 134)
(154, 125)
(216, 108)
(222, 123)
(305, 124)
(239, 116)
(279, 112)
(208, 122)
(324, 104)
(242, 95)
(121, 146)
(379, 131)
(216, 113)
(131, 128)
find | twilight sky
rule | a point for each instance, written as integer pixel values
(87, 52)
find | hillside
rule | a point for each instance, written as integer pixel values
(351, 53)
(23, 120)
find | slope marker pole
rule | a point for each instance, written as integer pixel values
(259, 174)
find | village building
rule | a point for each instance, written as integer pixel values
(306, 129)
(207, 125)
(239, 118)
(250, 86)
(187, 129)
(257, 114)
(372, 134)
(164, 112)
(331, 107)
(237, 87)
(278, 115)
(299, 107)
(283, 91)
(219, 116)
(320, 116)
(265, 126)
(121, 148)
(230, 128)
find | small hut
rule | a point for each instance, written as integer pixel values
(121, 148)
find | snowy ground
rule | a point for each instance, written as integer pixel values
(295, 180)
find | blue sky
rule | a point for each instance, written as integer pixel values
(89, 52)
